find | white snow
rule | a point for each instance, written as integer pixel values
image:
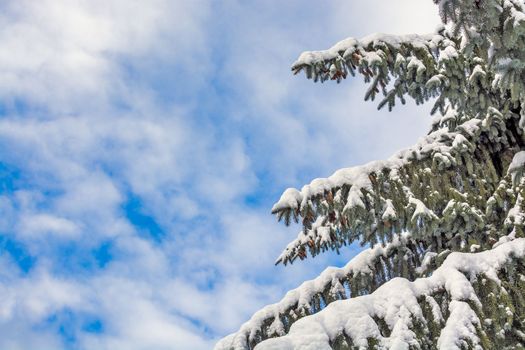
(358, 176)
(302, 296)
(354, 199)
(510, 237)
(515, 215)
(460, 325)
(389, 212)
(396, 302)
(421, 210)
(517, 165)
(477, 73)
(518, 161)
(460, 142)
(289, 199)
(440, 145)
(348, 46)
(448, 53)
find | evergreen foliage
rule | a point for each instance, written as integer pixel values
(458, 196)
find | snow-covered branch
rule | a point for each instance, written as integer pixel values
(371, 202)
(458, 191)
(362, 275)
(445, 309)
(412, 60)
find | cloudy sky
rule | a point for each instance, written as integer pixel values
(142, 145)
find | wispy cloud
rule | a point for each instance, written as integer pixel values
(142, 145)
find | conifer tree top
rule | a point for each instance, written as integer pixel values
(472, 67)
(447, 214)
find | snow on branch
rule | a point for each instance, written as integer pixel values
(459, 189)
(466, 303)
(482, 16)
(517, 166)
(475, 56)
(371, 202)
(420, 66)
(343, 58)
(361, 275)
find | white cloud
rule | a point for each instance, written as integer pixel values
(64, 55)
(301, 123)
(98, 128)
(400, 17)
(26, 303)
(135, 319)
(43, 223)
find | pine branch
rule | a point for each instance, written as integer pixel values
(471, 301)
(459, 189)
(370, 203)
(362, 275)
(412, 60)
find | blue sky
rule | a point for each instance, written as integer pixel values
(142, 145)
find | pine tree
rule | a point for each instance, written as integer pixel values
(444, 219)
